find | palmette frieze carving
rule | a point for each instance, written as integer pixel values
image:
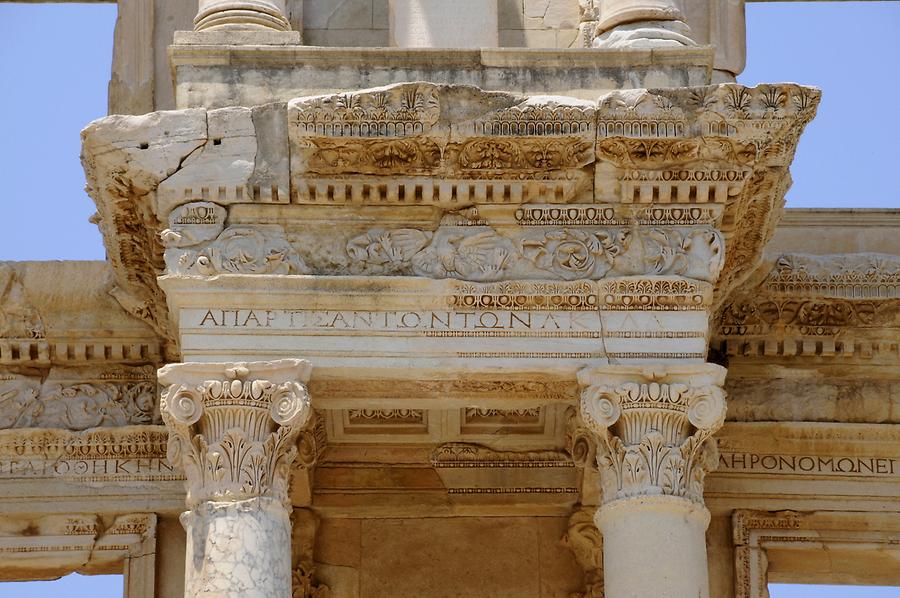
(653, 427)
(235, 435)
(852, 276)
(239, 250)
(482, 254)
(394, 111)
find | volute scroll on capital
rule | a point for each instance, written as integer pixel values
(653, 424)
(233, 428)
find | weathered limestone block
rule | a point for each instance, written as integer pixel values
(654, 425)
(441, 24)
(41, 547)
(125, 158)
(233, 430)
(245, 159)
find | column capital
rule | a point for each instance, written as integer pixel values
(653, 423)
(233, 427)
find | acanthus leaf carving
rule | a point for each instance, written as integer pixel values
(236, 435)
(484, 254)
(239, 250)
(653, 428)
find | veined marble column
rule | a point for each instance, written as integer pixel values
(242, 14)
(642, 24)
(654, 424)
(444, 23)
(233, 429)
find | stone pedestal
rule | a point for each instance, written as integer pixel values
(241, 14)
(233, 430)
(654, 423)
(444, 24)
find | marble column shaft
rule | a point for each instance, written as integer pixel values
(654, 424)
(233, 429)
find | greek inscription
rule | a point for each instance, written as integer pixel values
(811, 464)
(425, 321)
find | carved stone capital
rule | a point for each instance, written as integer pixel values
(233, 427)
(653, 424)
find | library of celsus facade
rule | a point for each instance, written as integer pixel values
(521, 318)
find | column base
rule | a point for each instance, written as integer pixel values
(646, 35)
(241, 15)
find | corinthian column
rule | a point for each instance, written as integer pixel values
(241, 14)
(654, 425)
(233, 429)
(642, 24)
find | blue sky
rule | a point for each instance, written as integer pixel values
(55, 62)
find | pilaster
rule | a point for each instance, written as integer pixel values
(233, 429)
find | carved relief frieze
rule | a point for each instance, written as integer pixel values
(728, 145)
(484, 254)
(494, 148)
(79, 399)
(654, 427)
(845, 304)
(232, 430)
(239, 250)
(464, 455)
(525, 296)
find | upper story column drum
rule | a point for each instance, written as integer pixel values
(444, 23)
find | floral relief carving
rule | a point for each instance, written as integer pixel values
(26, 402)
(482, 254)
(235, 435)
(239, 250)
(654, 429)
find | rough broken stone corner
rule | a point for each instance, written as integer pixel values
(381, 318)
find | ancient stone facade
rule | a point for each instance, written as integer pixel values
(490, 321)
